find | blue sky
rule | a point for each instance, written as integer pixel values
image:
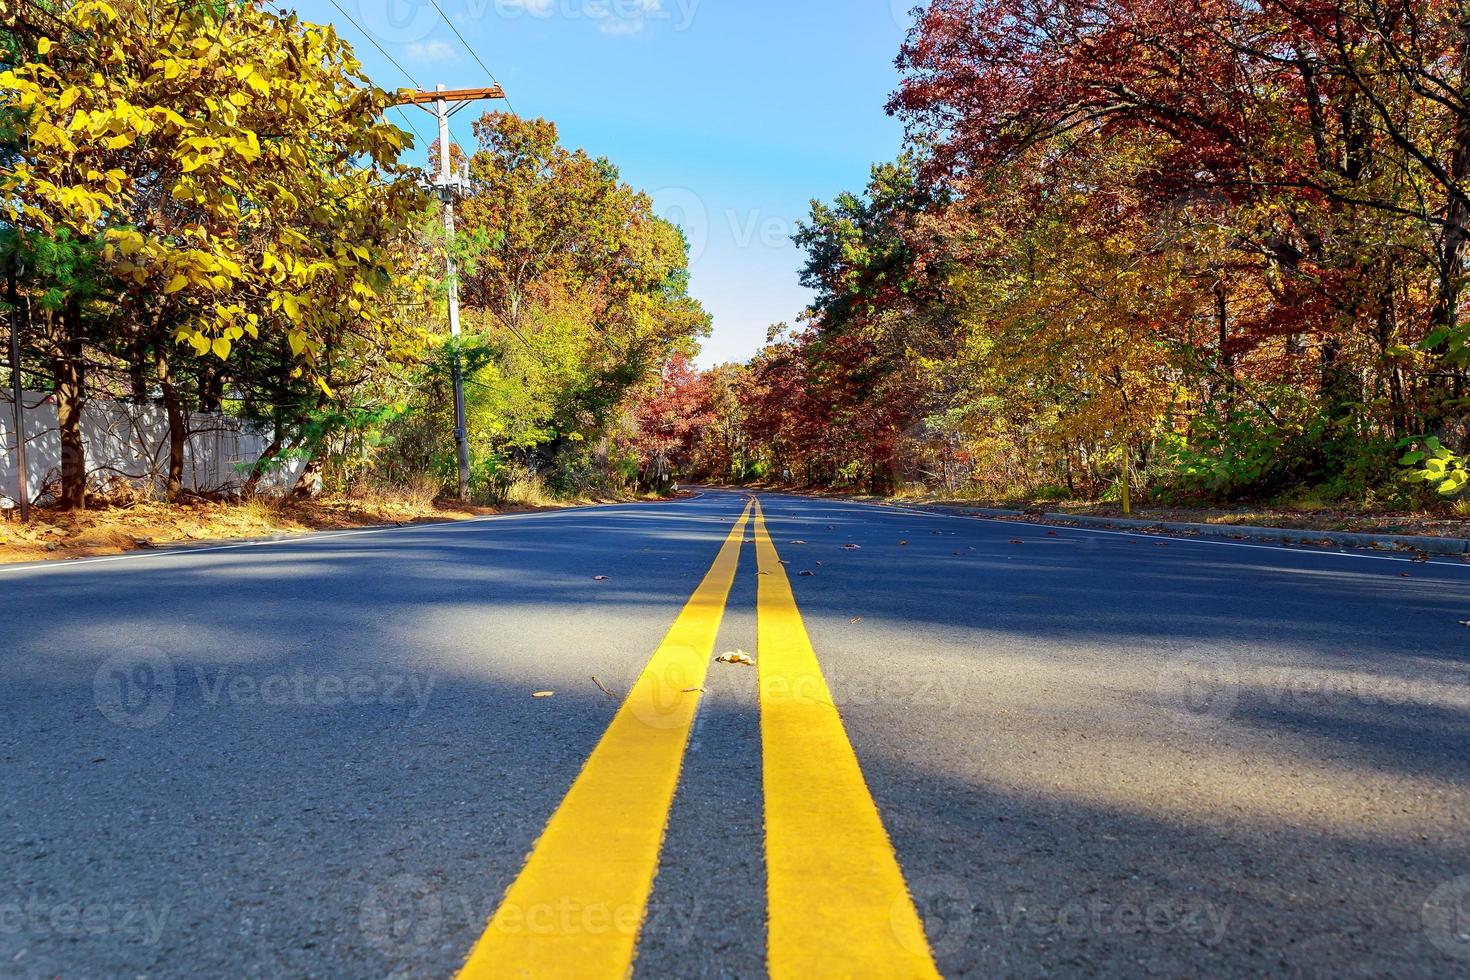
(733, 114)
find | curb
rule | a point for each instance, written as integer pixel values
(1236, 532)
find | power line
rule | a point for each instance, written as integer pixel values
(406, 74)
(404, 116)
(483, 66)
(374, 42)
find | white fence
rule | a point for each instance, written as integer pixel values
(130, 443)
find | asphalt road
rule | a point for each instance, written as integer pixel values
(1094, 754)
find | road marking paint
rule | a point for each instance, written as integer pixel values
(578, 905)
(839, 906)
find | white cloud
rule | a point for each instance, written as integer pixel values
(434, 50)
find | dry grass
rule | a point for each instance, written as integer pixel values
(151, 524)
(528, 491)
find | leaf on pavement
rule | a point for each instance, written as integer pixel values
(856, 620)
(599, 578)
(798, 542)
(903, 544)
(544, 694)
(603, 688)
(852, 547)
(808, 574)
(738, 657)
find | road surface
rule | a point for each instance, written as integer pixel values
(977, 748)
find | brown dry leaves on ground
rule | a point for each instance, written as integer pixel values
(114, 530)
(1314, 519)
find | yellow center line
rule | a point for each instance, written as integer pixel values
(579, 903)
(838, 903)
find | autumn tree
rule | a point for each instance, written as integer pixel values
(228, 163)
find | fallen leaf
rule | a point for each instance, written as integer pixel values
(694, 690)
(808, 574)
(599, 578)
(903, 544)
(738, 657)
(798, 542)
(603, 688)
(544, 694)
(856, 620)
(852, 547)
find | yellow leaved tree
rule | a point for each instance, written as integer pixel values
(230, 164)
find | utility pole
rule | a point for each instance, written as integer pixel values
(22, 491)
(445, 104)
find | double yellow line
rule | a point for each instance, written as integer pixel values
(838, 905)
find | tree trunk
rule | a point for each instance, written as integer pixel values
(70, 374)
(178, 429)
(1445, 315)
(258, 471)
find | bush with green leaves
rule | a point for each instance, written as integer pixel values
(1429, 462)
